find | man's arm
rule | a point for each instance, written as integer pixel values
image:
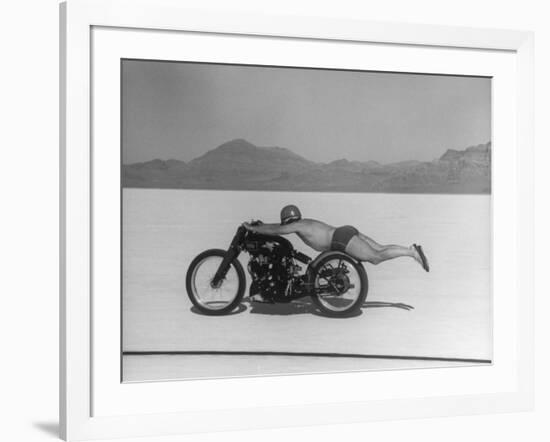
(272, 229)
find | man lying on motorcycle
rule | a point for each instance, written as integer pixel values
(321, 237)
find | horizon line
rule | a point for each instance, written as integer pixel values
(290, 150)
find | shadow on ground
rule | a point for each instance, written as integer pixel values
(301, 306)
(241, 308)
(297, 307)
(377, 304)
(306, 306)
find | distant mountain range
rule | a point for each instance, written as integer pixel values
(240, 165)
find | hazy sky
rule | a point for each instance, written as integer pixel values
(182, 110)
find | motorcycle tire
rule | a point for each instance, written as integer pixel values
(215, 308)
(361, 275)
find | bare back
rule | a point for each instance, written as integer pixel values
(316, 234)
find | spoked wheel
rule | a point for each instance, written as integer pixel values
(341, 285)
(209, 299)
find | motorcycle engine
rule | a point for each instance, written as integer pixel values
(270, 271)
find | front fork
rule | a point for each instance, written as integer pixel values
(232, 253)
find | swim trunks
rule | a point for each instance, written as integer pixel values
(341, 237)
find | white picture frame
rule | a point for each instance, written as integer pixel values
(79, 377)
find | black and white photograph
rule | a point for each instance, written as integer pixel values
(277, 220)
(283, 220)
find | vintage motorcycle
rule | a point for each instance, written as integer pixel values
(215, 282)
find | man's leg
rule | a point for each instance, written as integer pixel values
(372, 242)
(363, 248)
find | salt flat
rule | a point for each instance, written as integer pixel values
(164, 229)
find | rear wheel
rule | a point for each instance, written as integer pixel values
(341, 285)
(209, 299)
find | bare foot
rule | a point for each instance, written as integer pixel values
(415, 255)
(420, 257)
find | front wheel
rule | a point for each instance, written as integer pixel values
(340, 285)
(222, 298)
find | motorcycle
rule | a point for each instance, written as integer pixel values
(216, 283)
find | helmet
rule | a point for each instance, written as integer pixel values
(289, 214)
